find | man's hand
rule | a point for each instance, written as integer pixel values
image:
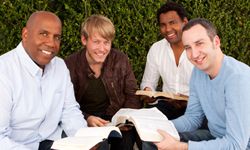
(94, 121)
(170, 143)
(147, 99)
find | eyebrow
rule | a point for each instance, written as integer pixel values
(199, 40)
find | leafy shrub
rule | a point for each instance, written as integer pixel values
(135, 23)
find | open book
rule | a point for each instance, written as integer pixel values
(156, 94)
(146, 122)
(86, 138)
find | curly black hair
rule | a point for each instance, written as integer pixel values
(171, 6)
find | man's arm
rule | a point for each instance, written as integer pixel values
(237, 120)
(151, 75)
(6, 105)
(194, 115)
(72, 118)
(130, 87)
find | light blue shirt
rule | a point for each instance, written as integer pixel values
(34, 104)
(225, 101)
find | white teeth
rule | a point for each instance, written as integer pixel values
(46, 52)
(100, 54)
(199, 60)
(171, 34)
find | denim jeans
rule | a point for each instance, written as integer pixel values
(127, 142)
(198, 135)
(45, 145)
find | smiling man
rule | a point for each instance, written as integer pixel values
(37, 97)
(103, 78)
(167, 60)
(219, 90)
(34, 37)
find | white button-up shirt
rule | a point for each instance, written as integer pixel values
(161, 63)
(35, 105)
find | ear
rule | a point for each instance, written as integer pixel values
(83, 40)
(24, 34)
(185, 20)
(217, 41)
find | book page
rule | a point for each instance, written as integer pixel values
(164, 94)
(147, 121)
(120, 117)
(96, 131)
(76, 143)
(147, 128)
(147, 93)
(85, 138)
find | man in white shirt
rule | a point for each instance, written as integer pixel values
(167, 59)
(37, 97)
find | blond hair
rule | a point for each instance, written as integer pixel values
(98, 24)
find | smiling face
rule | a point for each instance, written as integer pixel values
(203, 52)
(171, 26)
(97, 34)
(97, 48)
(41, 37)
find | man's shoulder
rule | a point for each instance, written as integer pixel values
(117, 54)
(59, 64)
(115, 51)
(8, 56)
(235, 67)
(8, 60)
(74, 55)
(159, 47)
(161, 43)
(58, 59)
(116, 59)
(75, 59)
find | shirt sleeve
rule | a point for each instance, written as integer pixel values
(132, 100)
(5, 117)
(151, 74)
(72, 118)
(194, 115)
(237, 118)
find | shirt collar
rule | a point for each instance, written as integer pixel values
(29, 64)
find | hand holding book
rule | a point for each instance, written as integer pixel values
(147, 99)
(156, 94)
(146, 121)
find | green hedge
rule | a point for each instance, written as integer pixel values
(135, 22)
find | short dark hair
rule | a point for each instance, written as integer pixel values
(171, 6)
(210, 28)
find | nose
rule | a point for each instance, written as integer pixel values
(51, 42)
(164, 28)
(167, 28)
(102, 47)
(195, 53)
